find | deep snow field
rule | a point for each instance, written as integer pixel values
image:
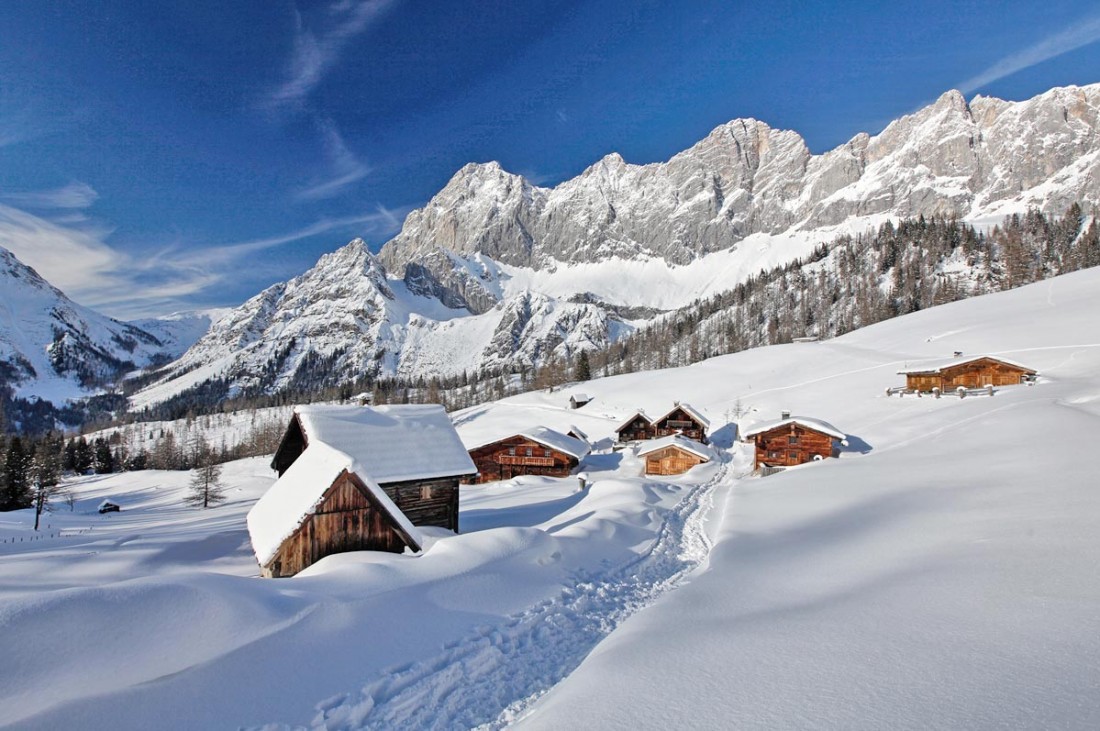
(941, 574)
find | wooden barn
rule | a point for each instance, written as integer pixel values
(355, 478)
(793, 440)
(673, 455)
(683, 419)
(536, 451)
(977, 372)
(578, 400)
(636, 428)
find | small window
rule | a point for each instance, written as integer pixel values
(793, 456)
(425, 493)
(546, 453)
(792, 440)
(530, 452)
(512, 451)
(773, 455)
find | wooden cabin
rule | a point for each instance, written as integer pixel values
(793, 441)
(683, 419)
(578, 400)
(673, 455)
(976, 372)
(357, 478)
(636, 428)
(537, 451)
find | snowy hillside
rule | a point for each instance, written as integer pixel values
(55, 349)
(940, 573)
(497, 273)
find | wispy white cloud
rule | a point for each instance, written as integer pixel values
(74, 195)
(346, 167)
(77, 260)
(1080, 34)
(316, 50)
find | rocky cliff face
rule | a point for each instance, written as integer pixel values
(470, 282)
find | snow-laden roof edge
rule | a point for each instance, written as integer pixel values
(548, 438)
(583, 435)
(810, 423)
(677, 440)
(694, 412)
(280, 512)
(938, 367)
(631, 418)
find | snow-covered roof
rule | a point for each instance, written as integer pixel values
(938, 367)
(574, 429)
(105, 503)
(394, 443)
(633, 416)
(581, 397)
(810, 423)
(294, 496)
(677, 440)
(695, 414)
(550, 438)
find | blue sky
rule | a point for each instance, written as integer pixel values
(164, 156)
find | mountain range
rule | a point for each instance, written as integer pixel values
(497, 273)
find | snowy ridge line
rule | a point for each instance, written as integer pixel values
(492, 678)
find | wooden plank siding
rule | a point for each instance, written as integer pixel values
(975, 374)
(671, 461)
(679, 421)
(638, 429)
(792, 444)
(518, 455)
(427, 502)
(347, 519)
(290, 448)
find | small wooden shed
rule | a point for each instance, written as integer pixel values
(673, 455)
(682, 419)
(793, 440)
(578, 400)
(357, 478)
(535, 451)
(976, 372)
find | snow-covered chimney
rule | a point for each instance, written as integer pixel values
(784, 415)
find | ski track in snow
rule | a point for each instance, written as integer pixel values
(492, 678)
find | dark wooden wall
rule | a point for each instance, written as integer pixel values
(291, 448)
(639, 428)
(679, 421)
(494, 461)
(774, 447)
(347, 519)
(427, 502)
(670, 461)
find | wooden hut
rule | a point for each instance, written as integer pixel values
(673, 455)
(357, 478)
(536, 451)
(578, 400)
(977, 372)
(636, 428)
(682, 419)
(793, 440)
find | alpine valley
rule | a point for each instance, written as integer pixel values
(495, 274)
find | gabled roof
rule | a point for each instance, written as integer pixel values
(573, 428)
(394, 443)
(679, 441)
(633, 416)
(940, 367)
(693, 412)
(580, 397)
(810, 423)
(294, 496)
(550, 438)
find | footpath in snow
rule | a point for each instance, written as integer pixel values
(488, 680)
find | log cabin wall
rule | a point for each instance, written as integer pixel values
(791, 444)
(670, 461)
(345, 520)
(518, 455)
(680, 422)
(975, 374)
(638, 429)
(427, 502)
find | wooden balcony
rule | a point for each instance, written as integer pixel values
(525, 461)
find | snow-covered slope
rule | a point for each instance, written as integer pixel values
(495, 272)
(940, 573)
(53, 348)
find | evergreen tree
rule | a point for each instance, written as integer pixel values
(16, 490)
(104, 459)
(83, 457)
(45, 477)
(583, 369)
